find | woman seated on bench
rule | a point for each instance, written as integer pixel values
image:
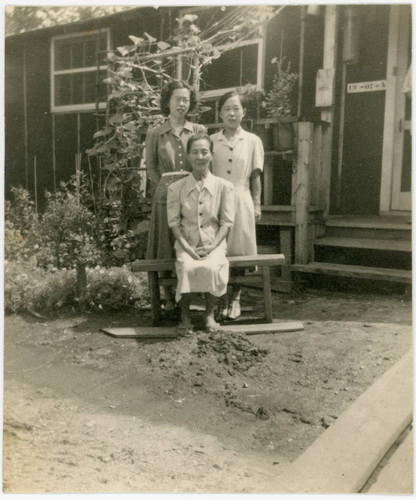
(200, 209)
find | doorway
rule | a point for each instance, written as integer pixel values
(396, 178)
(363, 66)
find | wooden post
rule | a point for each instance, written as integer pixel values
(268, 180)
(78, 176)
(286, 250)
(53, 153)
(154, 296)
(267, 293)
(337, 186)
(316, 173)
(304, 160)
(25, 128)
(301, 57)
(327, 115)
(35, 184)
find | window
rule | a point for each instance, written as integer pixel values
(239, 64)
(78, 69)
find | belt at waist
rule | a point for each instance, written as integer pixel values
(179, 172)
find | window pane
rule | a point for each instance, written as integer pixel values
(94, 85)
(249, 64)
(80, 88)
(80, 51)
(90, 58)
(62, 55)
(77, 53)
(62, 90)
(77, 88)
(102, 48)
(102, 87)
(233, 69)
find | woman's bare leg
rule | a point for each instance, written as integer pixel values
(185, 304)
(210, 302)
(170, 303)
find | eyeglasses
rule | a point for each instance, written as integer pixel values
(186, 100)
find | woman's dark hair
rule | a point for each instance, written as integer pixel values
(228, 95)
(167, 92)
(199, 137)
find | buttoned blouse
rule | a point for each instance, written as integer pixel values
(237, 162)
(199, 212)
(166, 151)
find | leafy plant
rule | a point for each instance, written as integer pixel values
(28, 287)
(115, 288)
(252, 98)
(278, 102)
(137, 72)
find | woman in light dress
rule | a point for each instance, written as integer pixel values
(200, 211)
(239, 158)
(166, 163)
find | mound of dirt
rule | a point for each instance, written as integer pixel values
(233, 350)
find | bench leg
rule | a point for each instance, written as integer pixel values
(267, 291)
(286, 249)
(154, 296)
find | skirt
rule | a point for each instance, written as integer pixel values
(160, 239)
(209, 275)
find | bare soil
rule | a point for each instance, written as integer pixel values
(85, 412)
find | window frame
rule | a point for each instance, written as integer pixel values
(88, 69)
(259, 84)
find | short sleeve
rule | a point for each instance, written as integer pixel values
(173, 206)
(227, 205)
(258, 154)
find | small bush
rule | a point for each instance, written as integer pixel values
(67, 229)
(115, 288)
(20, 211)
(29, 287)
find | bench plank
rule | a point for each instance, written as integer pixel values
(154, 266)
(146, 265)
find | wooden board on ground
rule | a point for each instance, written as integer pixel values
(143, 332)
(342, 459)
(292, 326)
(396, 478)
(159, 332)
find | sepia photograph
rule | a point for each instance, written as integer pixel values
(208, 249)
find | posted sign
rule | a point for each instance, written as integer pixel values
(353, 88)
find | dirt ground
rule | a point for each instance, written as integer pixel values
(85, 412)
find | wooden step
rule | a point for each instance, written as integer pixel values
(365, 243)
(349, 271)
(380, 222)
(367, 233)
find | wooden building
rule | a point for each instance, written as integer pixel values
(337, 202)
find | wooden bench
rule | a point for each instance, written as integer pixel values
(154, 266)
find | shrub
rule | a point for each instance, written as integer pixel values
(115, 288)
(20, 211)
(67, 229)
(15, 246)
(29, 287)
(21, 232)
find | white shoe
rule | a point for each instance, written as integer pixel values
(234, 310)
